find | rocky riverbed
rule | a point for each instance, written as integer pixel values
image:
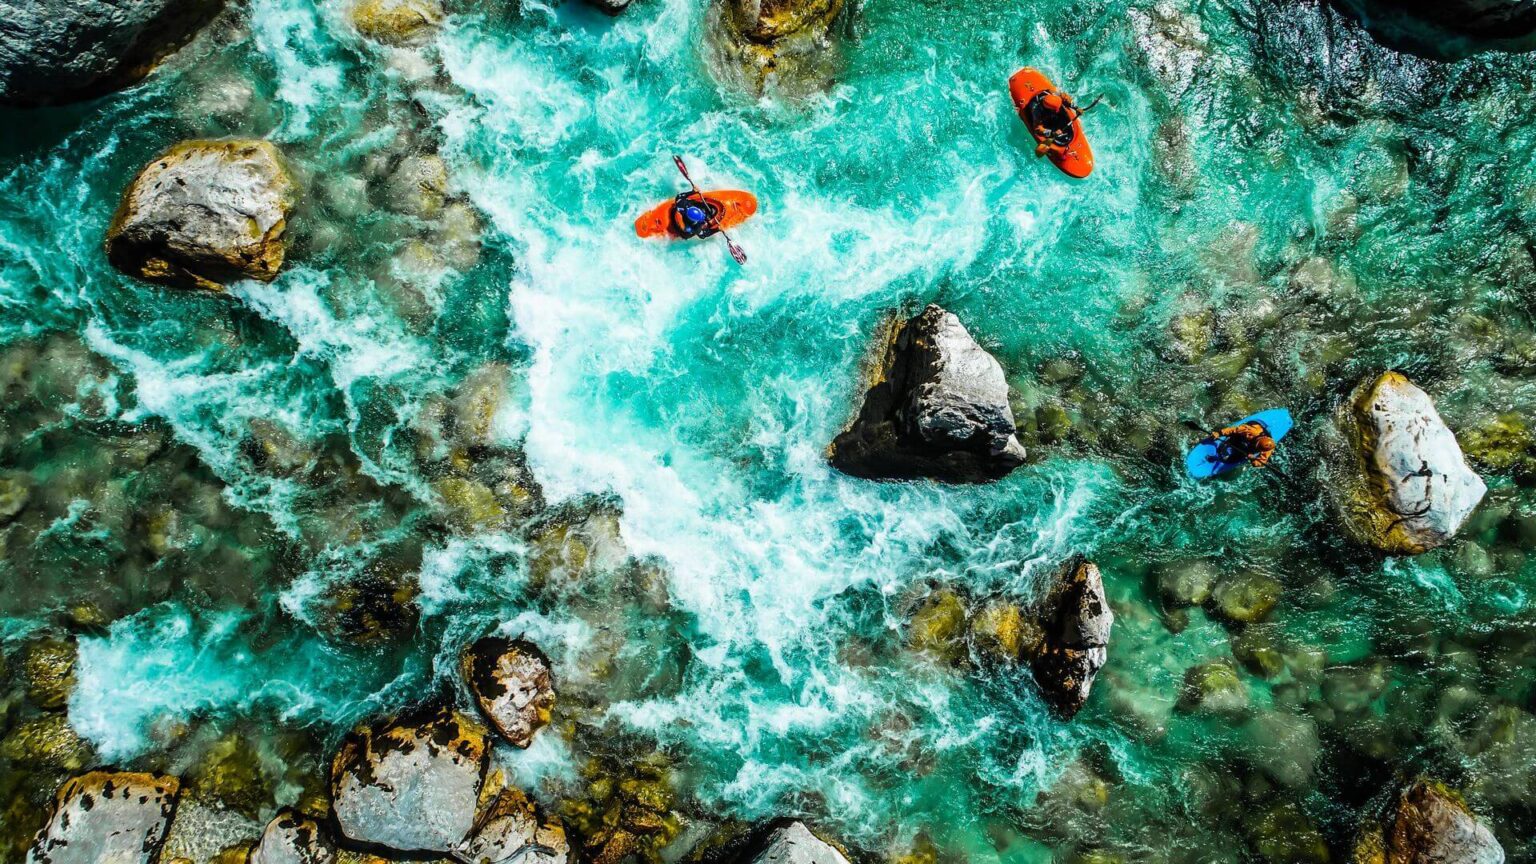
(369, 492)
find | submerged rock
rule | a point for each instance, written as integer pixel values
(203, 214)
(609, 7)
(1427, 824)
(107, 816)
(49, 670)
(1411, 489)
(782, 46)
(57, 51)
(410, 783)
(396, 22)
(1214, 688)
(293, 838)
(1076, 620)
(47, 742)
(512, 685)
(938, 409)
(513, 829)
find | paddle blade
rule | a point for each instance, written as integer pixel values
(736, 251)
(678, 160)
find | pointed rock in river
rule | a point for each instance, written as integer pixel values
(1076, 619)
(1427, 823)
(793, 843)
(410, 783)
(111, 816)
(938, 409)
(203, 214)
(396, 22)
(609, 7)
(293, 838)
(512, 685)
(1411, 489)
(58, 51)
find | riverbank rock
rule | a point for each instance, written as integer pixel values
(293, 838)
(780, 46)
(410, 783)
(203, 214)
(48, 667)
(58, 51)
(512, 685)
(513, 829)
(1076, 619)
(1411, 489)
(1428, 824)
(396, 22)
(1486, 19)
(938, 408)
(107, 816)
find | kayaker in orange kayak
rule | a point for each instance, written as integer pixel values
(693, 216)
(1054, 114)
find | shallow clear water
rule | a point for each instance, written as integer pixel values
(1281, 208)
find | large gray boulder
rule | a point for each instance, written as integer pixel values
(410, 783)
(1076, 620)
(793, 843)
(1410, 489)
(512, 685)
(938, 409)
(293, 838)
(108, 816)
(513, 829)
(203, 214)
(1427, 823)
(57, 51)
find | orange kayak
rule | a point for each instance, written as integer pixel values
(1076, 159)
(734, 208)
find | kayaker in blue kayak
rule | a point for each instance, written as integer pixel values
(1248, 442)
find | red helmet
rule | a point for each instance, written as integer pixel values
(1053, 101)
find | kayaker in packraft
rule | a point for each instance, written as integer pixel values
(1245, 441)
(693, 217)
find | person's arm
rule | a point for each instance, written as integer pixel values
(1262, 459)
(1225, 431)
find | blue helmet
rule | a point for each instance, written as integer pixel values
(693, 214)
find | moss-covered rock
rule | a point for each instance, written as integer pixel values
(1001, 630)
(48, 667)
(230, 772)
(626, 810)
(1245, 597)
(47, 742)
(937, 626)
(1284, 834)
(1214, 688)
(396, 22)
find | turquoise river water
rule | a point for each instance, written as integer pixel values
(1282, 207)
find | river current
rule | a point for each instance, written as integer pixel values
(1282, 207)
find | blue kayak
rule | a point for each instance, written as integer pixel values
(1203, 461)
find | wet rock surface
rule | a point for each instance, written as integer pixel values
(1076, 620)
(203, 214)
(293, 838)
(410, 783)
(514, 828)
(1412, 489)
(512, 684)
(776, 46)
(792, 843)
(1428, 823)
(58, 51)
(938, 408)
(107, 816)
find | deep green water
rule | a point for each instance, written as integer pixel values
(1283, 210)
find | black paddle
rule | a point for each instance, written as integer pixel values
(736, 251)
